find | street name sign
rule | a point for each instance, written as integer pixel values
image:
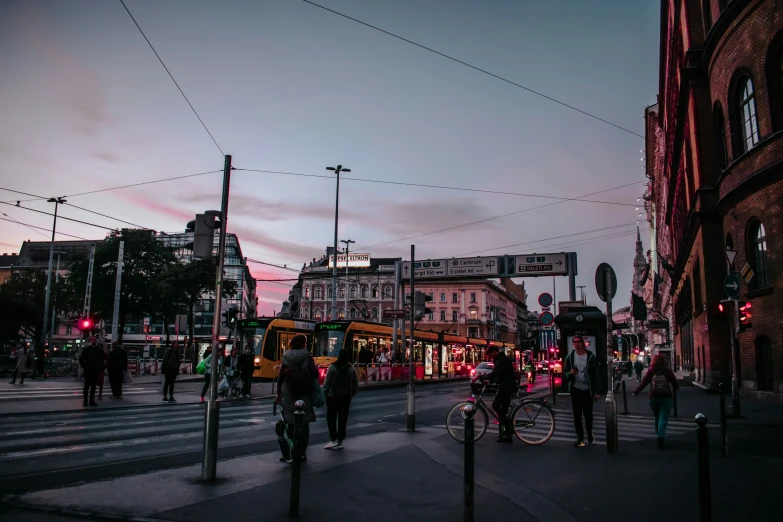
(425, 269)
(473, 266)
(394, 314)
(541, 264)
(731, 286)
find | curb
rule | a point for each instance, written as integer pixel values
(13, 503)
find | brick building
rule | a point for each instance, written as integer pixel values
(714, 152)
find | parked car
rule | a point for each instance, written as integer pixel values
(485, 368)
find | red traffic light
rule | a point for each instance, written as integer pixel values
(721, 308)
(84, 323)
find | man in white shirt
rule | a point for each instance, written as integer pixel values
(581, 368)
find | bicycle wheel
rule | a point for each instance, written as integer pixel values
(533, 423)
(455, 422)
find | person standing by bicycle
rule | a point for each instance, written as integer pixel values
(503, 376)
(581, 368)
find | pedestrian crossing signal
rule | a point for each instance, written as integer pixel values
(744, 316)
(85, 324)
(722, 315)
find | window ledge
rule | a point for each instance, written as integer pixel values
(767, 290)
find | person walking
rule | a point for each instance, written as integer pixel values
(231, 364)
(295, 383)
(208, 372)
(118, 365)
(581, 369)
(92, 361)
(102, 373)
(246, 369)
(340, 386)
(172, 360)
(503, 375)
(23, 360)
(638, 367)
(662, 381)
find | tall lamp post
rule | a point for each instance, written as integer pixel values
(57, 202)
(337, 171)
(347, 244)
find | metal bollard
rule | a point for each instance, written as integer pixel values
(723, 435)
(674, 400)
(469, 410)
(554, 391)
(705, 502)
(296, 467)
(625, 400)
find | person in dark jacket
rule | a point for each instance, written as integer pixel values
(295, 383)
(638, 367)
(662, 381)
(171, 363)
(503, 376)
(246, 369)
(340, 386)
(581, 369)
(91, 360)
(118, 364)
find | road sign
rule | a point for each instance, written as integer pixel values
(731, 286)
(473, 266)
(730, 255)
(394, 314)
(605, 282)
(547, 318)
(428, 268)
(541, 264)
(747, 273)
(564, 306)
(545, 300)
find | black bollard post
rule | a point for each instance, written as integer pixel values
(723, 435)
(296, 467)
(625, 401)
(674, 400)
(469, 410)
(705, 502)
(554, 390)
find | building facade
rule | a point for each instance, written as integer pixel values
(715, 162)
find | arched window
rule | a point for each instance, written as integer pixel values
(746, 115)
(317, 314)
(341, 313)
(374, 313)
(353, 313)
(375, 292)
(364, 292)
(317, 292)
(387, 292)
(765, 379)
(342, 292)
(720, 133)
(353, 292)
(329, 292)
(757, 253)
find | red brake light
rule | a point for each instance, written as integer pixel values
(472, 372)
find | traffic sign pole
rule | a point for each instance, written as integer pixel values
(606, 287)
(411, 414)
(735, 398)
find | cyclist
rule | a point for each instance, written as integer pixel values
(503, 376)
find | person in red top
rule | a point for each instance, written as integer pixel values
(662, 383)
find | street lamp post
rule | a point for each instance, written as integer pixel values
(57, 202)
(337, 171)
(347, 244)
(56, 281)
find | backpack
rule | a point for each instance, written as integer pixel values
(299, 380)
(341, 386)
(659, 386)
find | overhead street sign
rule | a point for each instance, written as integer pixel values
(541, 264)
(425, 269)
(731, 286)
(473, 266)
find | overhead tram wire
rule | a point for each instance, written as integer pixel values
(142, 183)
(442, 187)
(60, 217)
(42, 228)
(172, 78)
(484, 71)
(31, 227)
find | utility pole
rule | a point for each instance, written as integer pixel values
(209, 457)
(571, 262)
(347, 244)
(611, 403)
(411, 414)
(54, 307)
(582, 290)
(395, 322)
(337, 171)
(115, 316)
(40, 352)
(88, 290)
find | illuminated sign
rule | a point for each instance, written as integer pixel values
(323, 326)
(353, 261)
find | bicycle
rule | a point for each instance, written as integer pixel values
(534, 420)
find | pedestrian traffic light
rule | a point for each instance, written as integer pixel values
(744, 316)
(722, 315)
(419, 305)
(84, 324)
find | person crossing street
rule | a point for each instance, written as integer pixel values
(23, 361)
(118, 364)
(503, 376)
(171, 362)
(92, 361)
(581, 369)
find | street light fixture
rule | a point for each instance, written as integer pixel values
(337, 171)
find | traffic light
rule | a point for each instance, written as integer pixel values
(722, 314)
(203, 228)
(85, 324)
(420, 301)
(744, 315)
(230, 317)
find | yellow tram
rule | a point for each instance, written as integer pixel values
(270, 337)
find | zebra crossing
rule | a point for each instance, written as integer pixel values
(29, 391)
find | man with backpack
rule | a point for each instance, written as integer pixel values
(340, 386)
(662, 383)
(295, 383)
(581, 369)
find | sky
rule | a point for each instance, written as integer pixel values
(285, 86)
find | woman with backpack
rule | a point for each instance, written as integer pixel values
(295, 383)
(340, 386)
(662, 381)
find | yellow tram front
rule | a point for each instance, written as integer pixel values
(269, 337)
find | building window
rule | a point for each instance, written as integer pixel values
(757, 246)
(430, 316)
(442, 297)
(443, 315)
(374, 313)
(765, 379)
(454, 316)
(473, 332)
(748, 121)
(720, 132)
(454, 298)
(317, 292)
(68, 330)
(307, 292)
(342, 292)
(341, 313)
(329, 292)
(375, 292)
(317, 314)
(353, 292)
(473, 297)
(364, 292)
(697, 286)
(353, 313)
(387, 292)
(473, 315)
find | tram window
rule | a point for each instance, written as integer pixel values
(329, 343)
(270, 347)
(258, 340)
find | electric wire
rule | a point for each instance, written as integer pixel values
(61, 217)
(141, 183)
(42, 228)
(515, 84)
(31, 227)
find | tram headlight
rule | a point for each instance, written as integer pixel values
(257, 360)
